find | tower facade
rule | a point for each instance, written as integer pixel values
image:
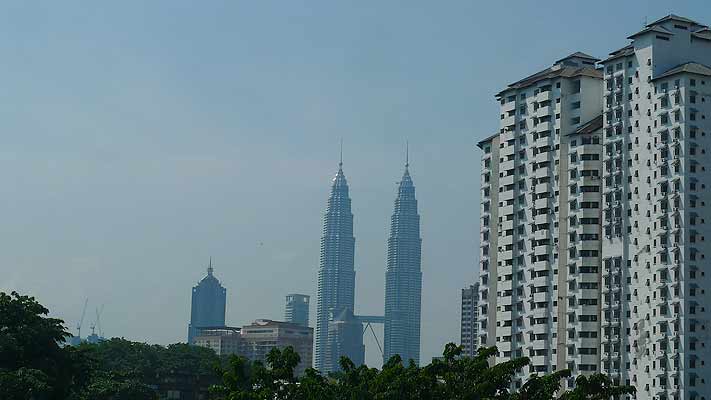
(657, 126)
(540, 220)
(469, 321)
(209, 299)
(297, 309)
(403, 277)
(336, 274)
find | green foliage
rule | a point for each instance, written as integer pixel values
(596, 387)
(32, 363)
(33, 366)
(452, 377)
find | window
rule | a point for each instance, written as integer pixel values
(575, 105)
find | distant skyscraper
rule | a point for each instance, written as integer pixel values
(208, 304)
(297, 309)
(403, 277)
(336, 275)
(469, 322)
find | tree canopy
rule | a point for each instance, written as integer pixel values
(35, 366)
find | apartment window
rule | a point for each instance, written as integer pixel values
(576, 105)
(575, 120)
(692, 82)
(576, 86)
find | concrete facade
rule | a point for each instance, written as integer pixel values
(525, 209)
(593, 216)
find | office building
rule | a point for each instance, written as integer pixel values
(256, 340)
(403, 277)
(208, 304)
(263, 335)
(345, 338)
(297, 309)
(469, 320)
(223, 340)
(336, 274)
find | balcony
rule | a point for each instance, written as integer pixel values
(542, 111)
(544, 126)
(543, 156)
(543, 96)
(508, 121)
(540, 297)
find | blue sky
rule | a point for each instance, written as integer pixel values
(140, 138)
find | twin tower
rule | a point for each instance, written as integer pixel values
(339, 332)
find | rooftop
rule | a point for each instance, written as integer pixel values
(486, 140)
(558, 70)
(591, 126)
(689, 67)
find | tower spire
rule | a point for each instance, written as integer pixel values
(209, 267)
(340, 162)
(407, 154)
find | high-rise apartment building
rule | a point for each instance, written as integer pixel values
(469, 321)
(528, 199)
(403, 277)
(657, 126)
(336, 274)
(296, 310)
(209, 299)
(593, 215)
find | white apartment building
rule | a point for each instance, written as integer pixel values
(657, 115)
(593, 216)
(530, 191)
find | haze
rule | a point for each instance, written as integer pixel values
(141, 138)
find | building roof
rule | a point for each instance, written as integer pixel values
(623, 52)
(703, 33)
(673, 17)
(591, 126)
(689, 67)
(578, 54)
(486, 140)
(555, 71)
(651, 28)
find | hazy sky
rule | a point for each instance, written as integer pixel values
(140, 138)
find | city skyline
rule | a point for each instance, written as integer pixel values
(144, 137)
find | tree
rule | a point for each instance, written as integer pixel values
(33, 365)
(596, 387)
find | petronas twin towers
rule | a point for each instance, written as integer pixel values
(339, 332)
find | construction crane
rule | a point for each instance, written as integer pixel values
(97, 321)
(81, 320)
